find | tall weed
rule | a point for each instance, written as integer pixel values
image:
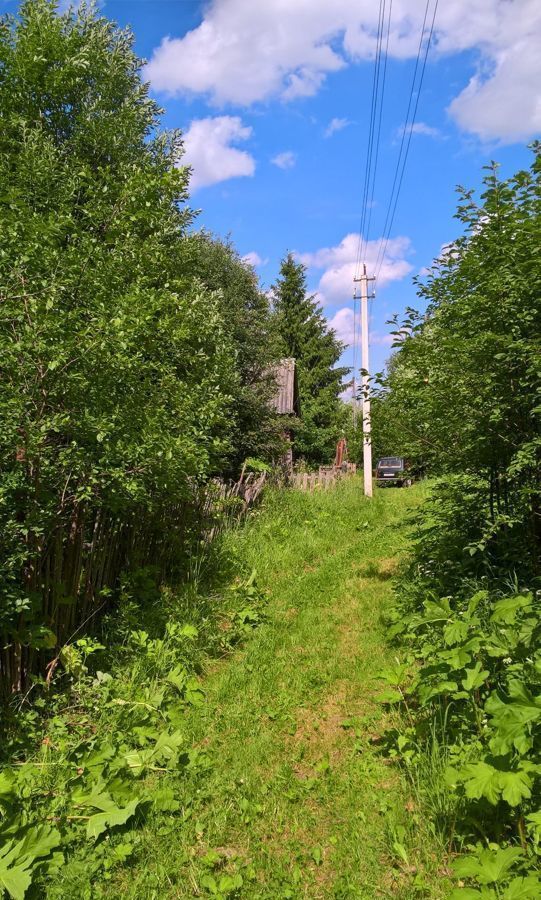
(472, 689)
(104, 745)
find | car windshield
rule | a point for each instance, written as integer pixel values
(391, 462)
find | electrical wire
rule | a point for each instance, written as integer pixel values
(368, 180)
(370, 204)
(404, 131)
(372, 153)
(370, 141)
(405, 142)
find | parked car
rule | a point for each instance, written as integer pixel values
(393, 470)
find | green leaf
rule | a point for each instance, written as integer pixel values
(506, 610)
(428, 692)
(210, 883)
(195, 694)
(17, 859)
(7, 784)
(477, 598)
(457, 658)
(481, 780)
(400, 851)
(40, 841)
(228, 883)
(189, 631)
(535, 820)
(488, 866)
(103, 821)
(475, 678)
(512, 717)
(528, 888)
(455, 632)
(389, 696)
(165, 800)
(436, 611)
(178, 677)
(164, 753)
(515, 787)
(16, 880)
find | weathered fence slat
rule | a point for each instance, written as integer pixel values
(74, 572)
(325, 477)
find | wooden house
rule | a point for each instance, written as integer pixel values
(286, 402)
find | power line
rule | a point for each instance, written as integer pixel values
(368, 170)
(404, 130)
(405, 143)
(370, 141)
(372, 193)
(373, 119)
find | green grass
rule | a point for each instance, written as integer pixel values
(294, 794)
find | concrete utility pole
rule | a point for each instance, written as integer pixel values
(354, 379)
(365, 384)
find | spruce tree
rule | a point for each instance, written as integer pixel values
(304, 334)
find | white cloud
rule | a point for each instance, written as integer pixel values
(336, 125)
(285, 160)
(421, 128)
(505, 103)
(384, 340)
(254, 259)
(208, 150)
(339, 265)
(342, 323)
(244, 52)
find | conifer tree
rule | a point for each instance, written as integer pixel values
(304, 334)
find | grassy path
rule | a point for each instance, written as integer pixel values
(299, 802)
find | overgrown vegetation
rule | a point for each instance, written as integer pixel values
(111, 736)
(462, 400)
(135, 360)
(155, 766)
(135, 368)
(133, 353)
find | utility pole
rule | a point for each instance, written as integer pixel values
(354, 380)
(365, 384)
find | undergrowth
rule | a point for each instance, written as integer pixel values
(470, 689)
(103, 744)
(154, 766)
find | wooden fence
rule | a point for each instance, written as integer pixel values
(72, 574)
(326, 477)
(223, 502)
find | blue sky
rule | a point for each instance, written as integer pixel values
(256, 85)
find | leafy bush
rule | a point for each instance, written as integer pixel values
(471, 687)
(479, 690)
(462, 398)
(128, 373)
(112, 746)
